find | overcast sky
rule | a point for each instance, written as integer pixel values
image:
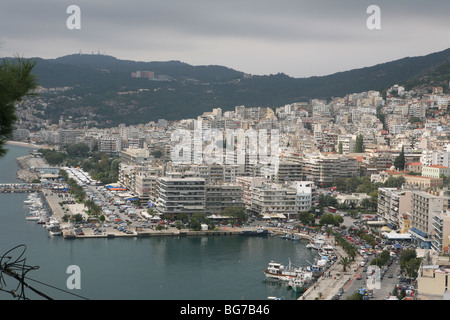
(297, 37)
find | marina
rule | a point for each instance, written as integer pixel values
(172, 256)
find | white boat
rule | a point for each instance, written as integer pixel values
(52, 222)
(33, 218)
(326, 250)
(281, 272)
(316, 243)
(319, 267)
(55, 231)
(301, 283)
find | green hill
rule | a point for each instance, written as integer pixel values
(188, 91)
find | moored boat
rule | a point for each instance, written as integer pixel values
(55, 231)
(316, 243)
(281, 272)
(301, 283)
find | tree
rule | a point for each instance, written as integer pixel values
(345, 262)
(16, 81)
(235, 212)
(359, 144)
(399, 162)
(340, 147)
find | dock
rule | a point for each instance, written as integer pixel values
(52, 201)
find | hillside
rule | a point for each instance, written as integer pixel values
(188, 91)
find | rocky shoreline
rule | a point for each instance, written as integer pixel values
(24, 172)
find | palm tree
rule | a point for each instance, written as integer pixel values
(345, 262)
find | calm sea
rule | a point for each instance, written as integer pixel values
(156, 268)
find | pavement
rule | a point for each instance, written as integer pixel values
(334, 278)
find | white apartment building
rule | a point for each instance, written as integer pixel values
(392, 205)
(441, 231)
(435, 157)
(181, 193)
(306, 194)
(145, 186)
(272, 198)
(110, 144)
(348, 143)
(246, 183)
(424, 205)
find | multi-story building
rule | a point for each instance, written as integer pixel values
(441, 231)
(435, 171)
(145, 183)
(421, 182)
(181, 193)
(306, 194)
(288, 171)
(134, 155)
(348, 143)
(392, 205)
(110, 144)
(221, 196)
(424, 205)
(274, 198)
(246, 183)
(324, 170)
(431, 157)
(373, 163)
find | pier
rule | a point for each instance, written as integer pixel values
(19, 187)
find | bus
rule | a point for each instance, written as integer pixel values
(332, 209)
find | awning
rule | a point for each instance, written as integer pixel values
(420, 233)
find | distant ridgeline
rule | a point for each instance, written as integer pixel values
(105, 86)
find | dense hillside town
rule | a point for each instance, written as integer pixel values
(387, 154)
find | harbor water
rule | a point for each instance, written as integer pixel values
(226, 267)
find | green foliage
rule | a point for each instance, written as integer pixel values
(409, 262)
(326, 200)
(235, 212)
(77, 150)
(194, 224)
(327, 219)
(52, 156)
(340, 147)
(359, 144)
(193, 90)
(16, 81)
(306, 218)
(399, 162)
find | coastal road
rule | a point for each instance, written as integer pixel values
(384, 287)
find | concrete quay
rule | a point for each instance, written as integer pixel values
(53, 200)
(334, 278)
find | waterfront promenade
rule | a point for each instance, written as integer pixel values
(334, 278)
(53, 201)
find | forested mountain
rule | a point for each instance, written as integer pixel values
(180, 90)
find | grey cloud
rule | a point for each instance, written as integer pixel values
(289, 30)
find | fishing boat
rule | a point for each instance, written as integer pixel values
(326, 250)
(319, 267)
(52, 222)
(32, 218)
(55, 231)
(290, 236)
(281, 272)
(316, 242)
(301, 283)
(42, 220)
(259, 231)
